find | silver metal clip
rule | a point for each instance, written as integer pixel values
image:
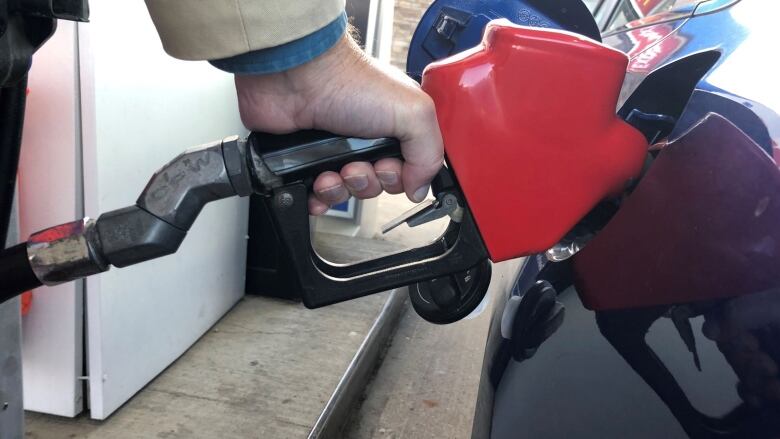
(445, 204)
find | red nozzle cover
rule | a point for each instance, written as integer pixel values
(530, 130)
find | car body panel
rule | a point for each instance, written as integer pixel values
(577, 384)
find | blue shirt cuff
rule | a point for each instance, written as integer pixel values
(285, 56)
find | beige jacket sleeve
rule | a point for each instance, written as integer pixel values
(213, 29)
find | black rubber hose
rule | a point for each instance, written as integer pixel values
(16, 276)
(12, 100)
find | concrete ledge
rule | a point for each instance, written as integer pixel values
(356, 377)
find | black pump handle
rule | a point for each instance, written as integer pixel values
(286, 168)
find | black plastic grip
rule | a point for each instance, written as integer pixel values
(305, 154)
(286, 166)
(15, 271)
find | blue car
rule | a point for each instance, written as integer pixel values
(658, 316)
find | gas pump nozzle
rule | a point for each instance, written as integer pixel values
(281, 167)
(154, 227)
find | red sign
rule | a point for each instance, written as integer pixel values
(644, 7)
(651, 46)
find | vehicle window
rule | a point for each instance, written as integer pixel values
(603, 12)
(593, 5)
(670, 5)
(624, 13)
(630, 10)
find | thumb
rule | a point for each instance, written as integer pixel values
(423, 152)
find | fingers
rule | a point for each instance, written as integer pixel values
(356, 179)
(388, 171)
(328, 190)
(360, 180)
(317, 207)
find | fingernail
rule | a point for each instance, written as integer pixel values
(356, 182)
(318, 210)
(388, 178)
(421, 193)
(333, 193)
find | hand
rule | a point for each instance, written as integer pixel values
(347, 93)
(743, 328)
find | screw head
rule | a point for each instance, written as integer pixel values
(284, 200)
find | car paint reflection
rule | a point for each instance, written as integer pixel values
(594, 377)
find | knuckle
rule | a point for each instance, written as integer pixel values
(353, 167)
(423, 108)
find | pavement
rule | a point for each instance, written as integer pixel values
(264, 371)
(426, 386)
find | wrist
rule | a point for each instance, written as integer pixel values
(342, 63)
